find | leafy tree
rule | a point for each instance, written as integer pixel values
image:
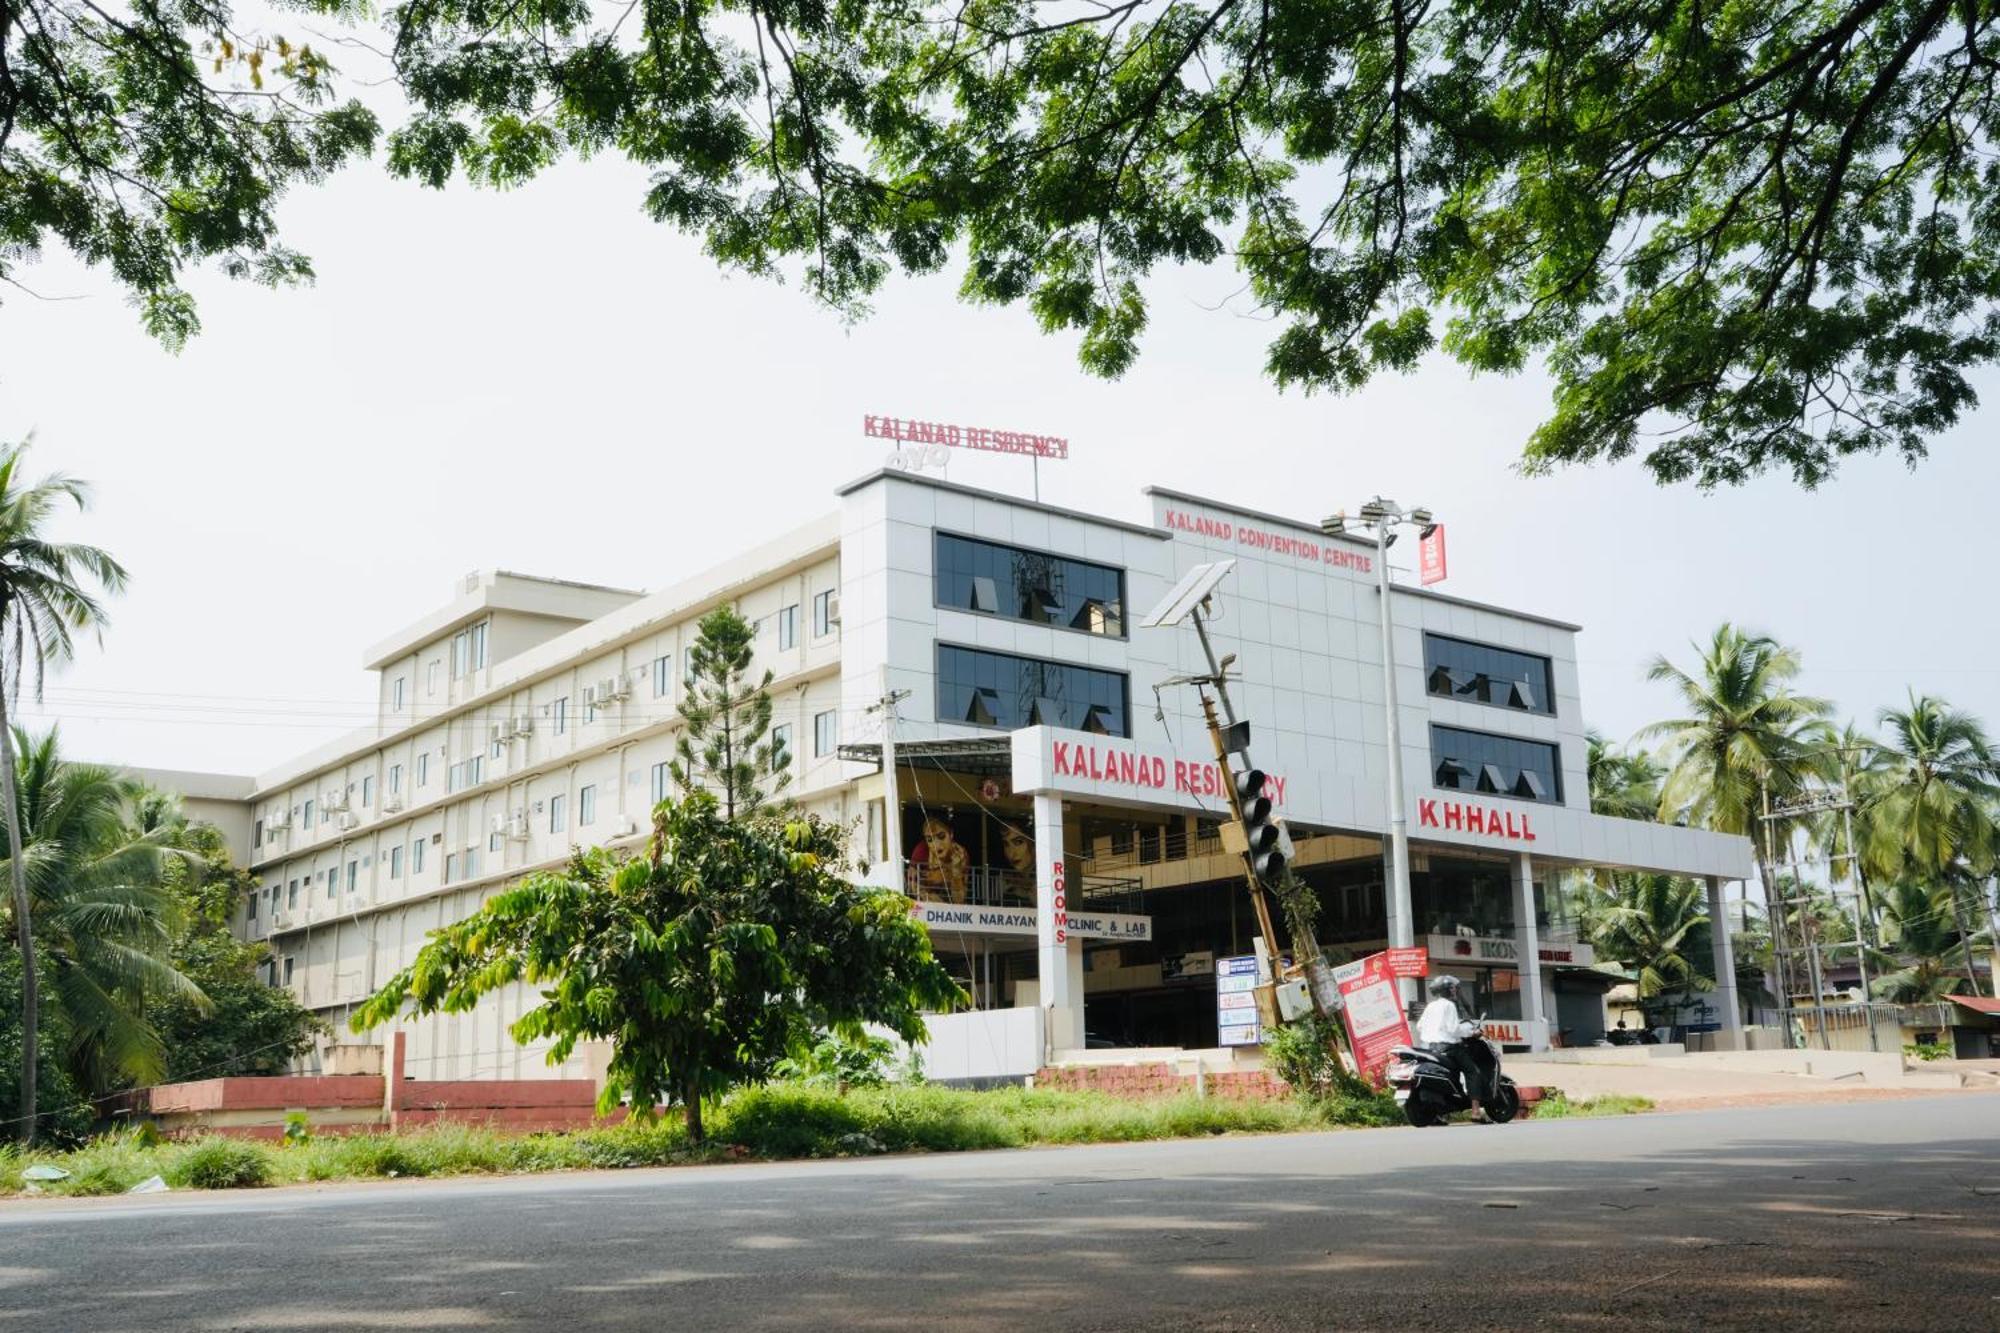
(1739, 237)
(1646, 927)
(104, 921)
(725, 744)
(246, 1026)
(147, 137)
(1743, 727)
(47, 595)
(1919, 938)
(729, 946)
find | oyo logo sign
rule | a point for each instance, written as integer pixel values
(1062, 900)
(1463, 816)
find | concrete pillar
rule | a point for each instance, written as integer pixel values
(1059, 989)
(1528, 943)
(1724, 1000)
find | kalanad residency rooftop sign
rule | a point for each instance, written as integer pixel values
(904, 431)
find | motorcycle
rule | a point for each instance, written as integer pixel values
(1428, 1089)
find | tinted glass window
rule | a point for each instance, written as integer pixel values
(1473, 761)
(1029, 585)
(1000, 690)
(1456, 669)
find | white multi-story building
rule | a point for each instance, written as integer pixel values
(1057, 801)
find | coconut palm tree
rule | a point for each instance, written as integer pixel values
(48, 595)
(1624, 784)
(1918, 936)
(1645, 924)
(104, 919)
(1931, 808)
(1743, 728)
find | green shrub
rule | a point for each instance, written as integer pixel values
(1927, 1050)
(1555, 1106)
(222, 1164)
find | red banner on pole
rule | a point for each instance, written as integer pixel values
(1376, 1024)
(1430, 556)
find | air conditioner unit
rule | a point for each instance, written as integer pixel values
(523, 724)
(348, 821)
(497, 824)
(516, 826)
(391, 804)
(334, 802)
(280, 824)
(281, 920)
(611, 689)
(833, 609)
(624, 827)
(496, 734)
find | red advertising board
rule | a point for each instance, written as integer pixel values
(1376, 1024)
(1430, 556)
(1411, 962)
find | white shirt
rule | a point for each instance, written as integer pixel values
(1441, 1025)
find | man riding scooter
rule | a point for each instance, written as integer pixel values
(1446, 1028)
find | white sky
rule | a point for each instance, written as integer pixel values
(548, 382)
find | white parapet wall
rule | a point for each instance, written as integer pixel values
(986, 1045)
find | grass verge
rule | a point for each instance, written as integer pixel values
(1555, 1106)
(772, 1122)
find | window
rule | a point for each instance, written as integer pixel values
(1457, 669)
(1044, 589)
(781, 747)
(663, 676)
(495, 747)
(823, 614)
(558, 817)
(288, 969)
(396, 694)
(450, 867)
(586, 805)
(1495, 765)
(257, 834)
(493, 841)
(395, 779)
(395, 862)
(431, 670)
(687, 665)
(367, 790)
(660, 776)
(990, 689)
(589, 708)
(417, 857)
(250, 909)
(826, 733)
(468, 650)
(559, 715)
(326, 813)
(353, 876)
(471, 862)
(424, 769)
(309, 814)
(332, 881)
(788, 628)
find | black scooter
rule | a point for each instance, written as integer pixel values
(1428, 1089)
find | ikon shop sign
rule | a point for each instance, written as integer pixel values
(1505, 952)
(1465, 817)
(972, 920)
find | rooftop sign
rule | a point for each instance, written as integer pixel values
(905, 431)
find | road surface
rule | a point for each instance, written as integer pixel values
(1866, 1215)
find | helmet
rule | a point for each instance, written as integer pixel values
(1444, 987)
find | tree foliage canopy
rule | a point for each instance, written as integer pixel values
(725, 745)
(727, 947)
(1739, 236)
(145, 137)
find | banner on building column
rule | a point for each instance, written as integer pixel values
(1373, 1009)
(1430, 555)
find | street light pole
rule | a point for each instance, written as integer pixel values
(1383, 516)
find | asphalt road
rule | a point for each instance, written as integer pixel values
(1880, 1215)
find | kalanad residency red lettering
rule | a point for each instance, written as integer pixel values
(905, 431)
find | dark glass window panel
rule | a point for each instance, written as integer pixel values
(1496, 765)
(991, 689)
(1502, 677)
(1033, 586)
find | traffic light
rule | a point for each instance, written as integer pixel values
(1265, 841)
